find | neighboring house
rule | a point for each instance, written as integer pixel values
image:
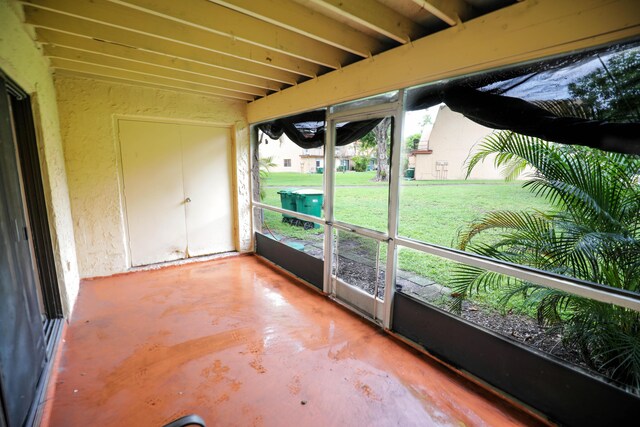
(444, 149)
(441, 154)
(289, 157)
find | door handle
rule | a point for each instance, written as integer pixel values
(187, 200)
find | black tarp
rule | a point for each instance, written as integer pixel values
(526, 118)
(308, 130)
(591, 99)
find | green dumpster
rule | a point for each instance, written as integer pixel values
(410, 173)
(319, 170)
(287, 201)
(309, 202)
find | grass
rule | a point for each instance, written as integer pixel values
(430, 211)
(293, 179)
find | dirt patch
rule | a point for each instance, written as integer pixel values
(356, 266)
(523, 329)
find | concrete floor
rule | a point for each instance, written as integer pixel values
(241, 344)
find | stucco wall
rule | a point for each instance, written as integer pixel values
(279, 150)
(452, 139)
(88, 113)
(22, 60)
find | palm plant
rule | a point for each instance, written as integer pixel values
(265, 165)
(591, 232)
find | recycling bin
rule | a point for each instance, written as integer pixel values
(309, 202)
(287, 201)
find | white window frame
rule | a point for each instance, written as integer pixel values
(396, 109)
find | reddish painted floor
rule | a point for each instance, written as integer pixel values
(242, 345)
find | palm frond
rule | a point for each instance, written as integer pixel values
(592, 232)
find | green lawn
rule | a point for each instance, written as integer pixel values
(430, 211)
(294, 179)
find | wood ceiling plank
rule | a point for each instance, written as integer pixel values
(78, 74)
(295, 17)
(229, 23)
(68, 24)
(150, 69)
(56, 38)
(375, 16)
(124, 18)
(100, 70)
(449, 11)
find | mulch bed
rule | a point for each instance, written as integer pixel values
(358, 269)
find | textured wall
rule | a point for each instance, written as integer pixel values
(21, 60)
(88, 113)
(452, 138)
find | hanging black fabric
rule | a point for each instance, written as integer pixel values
(590, 99)
(308, 130)
(507, 113)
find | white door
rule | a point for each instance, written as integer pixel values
(207, 189)
(153, 191)
(177, 188)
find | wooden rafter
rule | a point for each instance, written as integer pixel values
(134, 83)
(535, 30)
(81, 27)
(134, 76)
(450, 11)
(375, 16)
(229, 23)
(55, 38)
(123, 18)
(302, 20)
(150, 69)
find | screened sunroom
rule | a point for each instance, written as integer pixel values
(318, 212)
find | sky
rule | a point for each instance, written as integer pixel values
(413, 120)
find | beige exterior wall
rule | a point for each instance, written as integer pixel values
(88, 113)
(22, 61)
(302, 160)
(309, 164)
(452, 139)
(279, 150)
(284, 148)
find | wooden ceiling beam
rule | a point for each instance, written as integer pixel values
(375, 16)
(56, 38)
(150, 69)
(68, 24)
(78, 74)
(523, 32)
(302, 20)
(237, 26)
(134, 76)
(449, 11)
(123, 18)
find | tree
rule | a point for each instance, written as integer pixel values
(612, 91)
(265, 165)
(426, 120)
(411, 142)
(592, 232)
(379, 139)
(382, 134)
(360, 163)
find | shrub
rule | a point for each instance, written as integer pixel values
(360, 163)
(591, 233)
